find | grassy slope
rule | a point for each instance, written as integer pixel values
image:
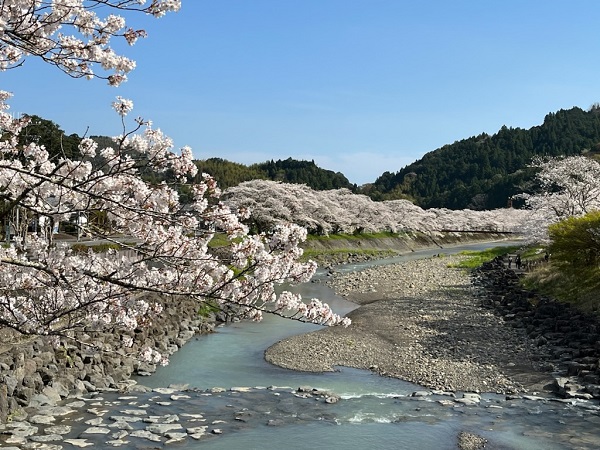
(580, 289)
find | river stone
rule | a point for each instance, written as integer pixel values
(95, 421)
(16, 439)
(96, 430)
(42, 419)
(197, 430)
(59, 429)
(420, 394)
(196, 417)
(275, 422)
(241, 389)
(46, 438)
(126, 418)
(163, 428)
(42, 400)
(118, 435)
(54, 393)
(79, 442)
(121, 425)
(166, 391)
(469, 399)
(533, 397)
(21, 429)
(56, 410)
(169, 418)
(446, 402)
(146, 435)
(77, 404)
(175, 437)
(134, 412)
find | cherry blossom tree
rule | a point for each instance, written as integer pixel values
(567, 187)
(48, 288)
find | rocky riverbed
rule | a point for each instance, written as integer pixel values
(422, 322)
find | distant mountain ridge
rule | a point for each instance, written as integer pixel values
(483, 172)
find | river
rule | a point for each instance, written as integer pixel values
(218, 392)
(374, 412)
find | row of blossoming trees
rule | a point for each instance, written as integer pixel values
(564, 187)
(340, 211)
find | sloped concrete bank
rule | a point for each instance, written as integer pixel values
(338, 250)
(36, 373)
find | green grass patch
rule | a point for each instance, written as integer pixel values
(208, 308)
(218, 240)
(221, 240)
(340, 254)
(578, 288)
(477, 258)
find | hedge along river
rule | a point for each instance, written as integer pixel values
(372, 411)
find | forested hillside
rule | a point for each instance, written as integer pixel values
(230, 174)
(482, 172)
(304, 172)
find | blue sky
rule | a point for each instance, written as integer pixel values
(360, 86)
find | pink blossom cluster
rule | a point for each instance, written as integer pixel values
(72, 35)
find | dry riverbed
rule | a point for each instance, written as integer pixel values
(419, 321)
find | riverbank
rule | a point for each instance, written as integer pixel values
(422, 322)
(335, 250)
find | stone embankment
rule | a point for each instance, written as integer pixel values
(36, 373)
(565, 341)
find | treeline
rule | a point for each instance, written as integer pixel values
(483, 172)
(229, 174)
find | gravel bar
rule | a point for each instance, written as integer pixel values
(421, 322)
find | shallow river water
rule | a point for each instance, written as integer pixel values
(374, 412)
(257, 406)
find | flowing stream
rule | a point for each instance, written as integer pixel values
(374, 412)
